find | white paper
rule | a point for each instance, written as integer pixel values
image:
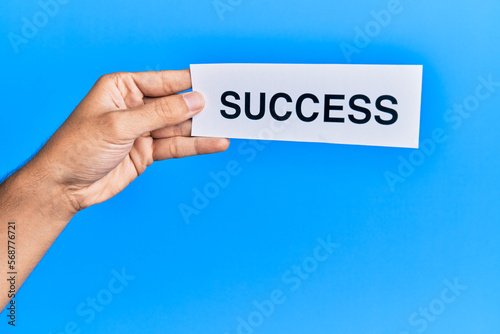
(361, 83)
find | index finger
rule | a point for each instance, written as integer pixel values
(162, 83)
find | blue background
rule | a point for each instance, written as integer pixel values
(397, 245)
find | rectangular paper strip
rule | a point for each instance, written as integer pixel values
(345, 104)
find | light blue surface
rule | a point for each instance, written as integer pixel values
(399, 246)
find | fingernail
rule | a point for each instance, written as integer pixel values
(194, 101)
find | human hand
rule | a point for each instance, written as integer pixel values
(127, 121)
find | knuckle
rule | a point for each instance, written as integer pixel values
(106, 78)
(119, 75)
(112, 77)
(174, 149)
(167, 85)
(197, 146)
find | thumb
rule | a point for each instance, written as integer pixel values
(164, 111)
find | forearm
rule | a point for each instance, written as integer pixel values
(37, 210)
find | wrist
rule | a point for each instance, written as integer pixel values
(33, 192)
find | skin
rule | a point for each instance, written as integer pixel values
(125, 123)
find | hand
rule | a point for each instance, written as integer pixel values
(127, 121)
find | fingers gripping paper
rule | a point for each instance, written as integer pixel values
(345, 104)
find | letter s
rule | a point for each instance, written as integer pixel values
(225, 102)
(387, 110)
(363, 110)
